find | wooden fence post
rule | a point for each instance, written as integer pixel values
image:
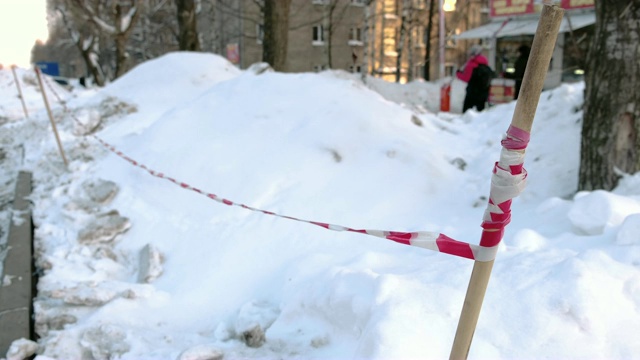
(15, 77)
(543, 44)
(53, 124)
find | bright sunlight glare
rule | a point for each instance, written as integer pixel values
(22, 22)
(449, 5)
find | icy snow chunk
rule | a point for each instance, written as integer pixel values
(253, 337)
(91, 195)
(629, 233)
(628, 185)
(105, 342)
(112, 106)
(260, 68)
(7, 280)
(104, 228)
(151, 261)
(223, 332)
(90, 294)
(592, 212)
(202, 352)
(57, 322)
(100, 191)
(50, 317)
(21, 349)
(86, 121)
(252, 321)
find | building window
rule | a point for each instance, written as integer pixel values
(452, 41)
(419, 4)
(318, 35)
(320, 2)
(259, 33)
(389, 41)
(355, 36)
(419, 71)
(450, 69)
(418, 36)
(358, 2)
(355, 68)
(318, 68)
(391, 7)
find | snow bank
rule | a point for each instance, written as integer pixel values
(134, 266)
(593, 212)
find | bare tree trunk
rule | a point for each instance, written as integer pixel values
(187, 25)
(276, 33)
(123, 30)
(372, 42)
(88, 49)
(326, 29)
(125, 20)
(611, 123)
(404, 19)
(365, 40)
(381, 59)
(215, 28)
(410, 44)
(90, 57)
(427, 53)
(121, 52)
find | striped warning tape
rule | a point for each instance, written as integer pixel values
(508, 181)
(427, 240)
(52, 89)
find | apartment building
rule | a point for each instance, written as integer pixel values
(390, 39)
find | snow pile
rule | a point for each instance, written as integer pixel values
(135, 266)
(421, 95)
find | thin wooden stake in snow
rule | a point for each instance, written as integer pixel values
(15, 77)
(532, 83)
(53, 124)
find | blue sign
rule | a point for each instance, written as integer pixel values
(49, 68)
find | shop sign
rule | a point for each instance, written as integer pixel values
(233, 53)
(511, 7)
(577, 4)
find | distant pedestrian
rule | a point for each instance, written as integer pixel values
(519, 67)
(477, 74)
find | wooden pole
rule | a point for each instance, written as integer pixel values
(532, 83)
(53, 124)
(24, 106)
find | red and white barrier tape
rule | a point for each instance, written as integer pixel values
(55, 93)
(508, 181)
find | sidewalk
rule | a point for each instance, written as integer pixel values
(17, 282)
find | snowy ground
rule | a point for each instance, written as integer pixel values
(135, 266)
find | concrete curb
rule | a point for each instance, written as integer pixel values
(17, 286)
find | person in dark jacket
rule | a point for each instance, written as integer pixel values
(476, 96)
(520, 66)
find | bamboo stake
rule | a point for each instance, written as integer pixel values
(24, 106)
(53, 124)
(532, 83)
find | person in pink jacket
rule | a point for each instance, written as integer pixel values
(478, 81)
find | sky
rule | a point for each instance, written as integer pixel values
(138, 266)
(22, 22)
